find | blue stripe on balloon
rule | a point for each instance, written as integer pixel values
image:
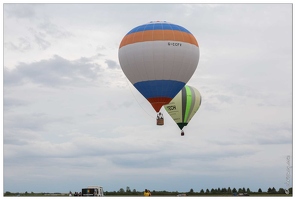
(158, 26)
(159, 88)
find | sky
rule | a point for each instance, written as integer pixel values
(71, 118)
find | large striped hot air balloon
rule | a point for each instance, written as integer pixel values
(158, 58)
(184, 105)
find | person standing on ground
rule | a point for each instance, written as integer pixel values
(146, 193)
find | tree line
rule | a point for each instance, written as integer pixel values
(191, 192)
(213, 191)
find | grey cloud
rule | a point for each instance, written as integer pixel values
(224, 98)
(209, 106)
(20, 10)
(85, 60)
(30, 121)
(42, 33)
(53, 30)
(10, 46)
(19, 130)
(126, 104)
(54, 72)
(275, 140)
(240, 91)
(259, 134)
(90, 59)
(17, 137)
(100, 48)
(22, 45)
(117, 106)
(111, 64)
(273, 134)
(22, 129)
(42, 43)
(140, 161)
(79, 146)
(220, 149)
(13, 102)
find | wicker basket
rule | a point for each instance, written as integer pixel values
(160, 121)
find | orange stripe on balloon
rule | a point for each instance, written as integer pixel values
(158, 35)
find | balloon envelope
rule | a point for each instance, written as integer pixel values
(158, 58)
(184, 105)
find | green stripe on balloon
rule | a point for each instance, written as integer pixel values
(188, 103)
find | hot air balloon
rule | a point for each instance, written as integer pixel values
(158, 58)
(183, 106)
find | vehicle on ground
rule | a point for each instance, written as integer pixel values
(93, 191)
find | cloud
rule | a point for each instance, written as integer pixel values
(136, 161)
(20, 126)
(46, 33)
(42, 43)
(55, 72)
(13, 102)
(22, 45)
(266, 134)
(112, 64)
(20, 10)
(69, 110)
(53, 30)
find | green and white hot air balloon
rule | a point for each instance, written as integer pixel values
(183, 106)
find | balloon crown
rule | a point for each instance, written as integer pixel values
(158, 21)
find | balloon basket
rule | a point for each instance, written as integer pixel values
(160, 122)
(182, 133)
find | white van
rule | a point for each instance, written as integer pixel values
(93, 191)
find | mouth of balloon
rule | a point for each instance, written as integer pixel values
(181, 125)
(158, 102)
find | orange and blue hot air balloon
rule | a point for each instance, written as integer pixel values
(159, 58)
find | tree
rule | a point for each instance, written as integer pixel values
(202, 191)
(7, 193)
(234, 190)
(248, 190)
(259, 190)
(229, 190)
(128, 189)
(281, 191)
(191, 190)
(271, 190)
(121, 190)
(290, 190)
(207, 191)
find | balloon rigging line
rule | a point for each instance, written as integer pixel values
(136, 98)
